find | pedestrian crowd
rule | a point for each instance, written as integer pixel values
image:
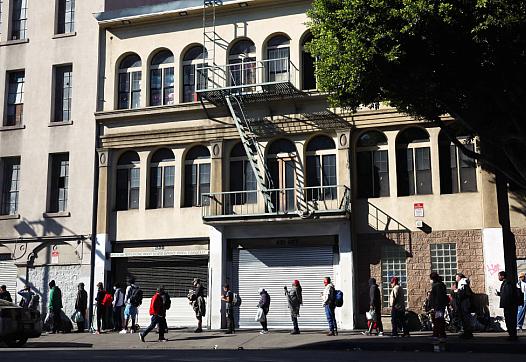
(115, 310)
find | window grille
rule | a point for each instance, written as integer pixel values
(393, 265)
(444, 261)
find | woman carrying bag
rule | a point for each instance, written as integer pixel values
(263, 308)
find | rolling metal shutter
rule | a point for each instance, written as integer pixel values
(272, 269)
(8, 276)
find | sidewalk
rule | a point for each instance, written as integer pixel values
(252, 340)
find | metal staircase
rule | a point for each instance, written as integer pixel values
(252, 148)
(210, 37)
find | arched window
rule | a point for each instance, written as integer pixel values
(458, 172)
(242, 63)
(129, 87)
(372, 165)
(278, 54)
(128, 181)
(321, 169)
(191, 59)
(413, 162)
(162, 79)
(197, 176)
(308, 77)
(242, 177)
(282, 163)
(162, 179)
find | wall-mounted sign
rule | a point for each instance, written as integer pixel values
(54, 257)
(418, 209)
(132, 254)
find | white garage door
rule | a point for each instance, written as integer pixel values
(275, 268)
(8, 276)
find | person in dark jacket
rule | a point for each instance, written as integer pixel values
(5, 295)
(508, 301)
(26, 295)
(295, 300)
(438, 301)
(158, 315)
(464, 294)
(264, 304)
(81, 306)
(198, 303)
(55, 306)
(101, 309)
(375, 304)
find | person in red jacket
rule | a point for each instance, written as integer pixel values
(158, 313)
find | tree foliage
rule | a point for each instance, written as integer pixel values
(465, 58)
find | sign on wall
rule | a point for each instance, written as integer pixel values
(418, 209)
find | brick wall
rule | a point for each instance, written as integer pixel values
(520, 242)
(417, 246)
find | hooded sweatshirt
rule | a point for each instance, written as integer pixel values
(374, 295)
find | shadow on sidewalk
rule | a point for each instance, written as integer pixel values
(58, 345)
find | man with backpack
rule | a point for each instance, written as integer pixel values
(158, 314)
(264, 304)
(328, 297)
(132, 300)
(167, 303)
(228, 297)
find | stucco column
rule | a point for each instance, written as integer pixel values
(343, 159)
(217, 276)
(345, 278)
(391, 151)
(216, 176)
(435, 162)
(102, 243)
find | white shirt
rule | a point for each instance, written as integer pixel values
(522, 286)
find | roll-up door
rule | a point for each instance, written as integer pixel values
(272, 269)
(176, 273)
(8, 276)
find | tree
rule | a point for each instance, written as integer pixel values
(428, 58)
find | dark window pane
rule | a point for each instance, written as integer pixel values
(169, 183)
(134, 188)
(423, 171)
(250, 183)
(468, 171)
(329, 177)
(365, 174)
(122, 189)
(156, 87)
(204, 182)
(155, 187)
(190, 182)
(381, 173)
(404, 172)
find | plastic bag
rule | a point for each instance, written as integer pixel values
(260, 315)
(77, 317)
(371, 315)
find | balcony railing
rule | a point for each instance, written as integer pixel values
(251, 76)
(288, 202)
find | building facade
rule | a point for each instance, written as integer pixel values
(48, 72)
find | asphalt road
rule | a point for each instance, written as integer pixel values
(244, 356)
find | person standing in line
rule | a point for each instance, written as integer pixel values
(55, 306)
(522, 308)
(81, 306)
(438, 301)
(101, 310)
(5, 295)
(295, 300)
(375, 304)
(508, 302)
(228, 298)
(264, 304)
(26, 295)
(397, 304)
(158, 314)
(464, 295)
(198, 303)
(329, 304)
(118, 303)
(132, 300)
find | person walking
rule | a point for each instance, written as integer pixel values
(397, 304)
(438, 301)
(81, 306)
(264, 304)
(464, 295)
(5, 295)
(26, 295)
(228, 298)
(295, 300)
(522, 308)
(55, 306)
(198, 303)
(508, 302)
(158, 314)
(329, 304)
(117, 304)
(375, 305)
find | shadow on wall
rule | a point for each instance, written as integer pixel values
(43, 227)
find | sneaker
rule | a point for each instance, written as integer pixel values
(141, 337)
(366, 333)
(198, 330)
(123, 331)
(295, 332)
(330, 334)
(163, 340)
(263, 332)
(380, 334)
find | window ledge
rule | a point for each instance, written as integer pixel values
(11, 128)
(58, 124)
(9, 217)
(49, 215)
(64, 35)
(13, 42)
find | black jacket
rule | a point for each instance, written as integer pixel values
(81, 303)
(264, 302)
(438, 299)
(374, 295)
(508, 294)
(6, 296)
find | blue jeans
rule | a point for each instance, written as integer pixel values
(398, 321)
(156, 320)
(331, 317)
(520, 315)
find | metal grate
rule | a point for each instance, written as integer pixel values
(444, 261)
(393, 265)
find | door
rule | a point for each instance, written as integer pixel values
(283, 173)
(274, 268)
(8, 276)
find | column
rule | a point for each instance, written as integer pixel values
(345, 281)
(343, 161)
(216, 178)
(101, 241)
(217, 275)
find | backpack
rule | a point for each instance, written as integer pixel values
(136, 297)
(236, 300)
(167, 301)
(338, 298)
(107, 300)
